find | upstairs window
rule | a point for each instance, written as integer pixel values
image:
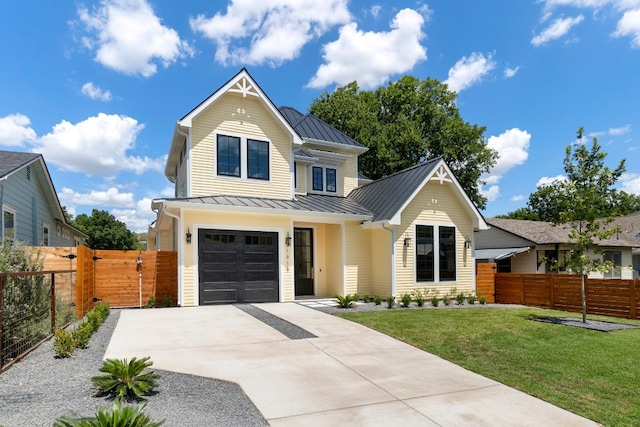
(331, 180)
(324, 179)
(317, 179)
(257, 159)
(228, 155)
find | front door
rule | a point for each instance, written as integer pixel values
(303, 260)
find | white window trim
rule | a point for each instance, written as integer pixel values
(14, 211)
(436, 252)
(244, 157)
(324, 168)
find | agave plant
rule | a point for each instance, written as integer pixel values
(126, 379)
(345, 301)
(117, 416)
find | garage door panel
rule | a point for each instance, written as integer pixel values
(238, 266)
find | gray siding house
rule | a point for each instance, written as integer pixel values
(31, 211)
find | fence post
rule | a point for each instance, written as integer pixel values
(53, 303)
(633, 305)
(552, 286)
(1, 304)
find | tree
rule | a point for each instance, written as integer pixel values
(592, 206)
(407, 122)
(104, 231)
(525, 214)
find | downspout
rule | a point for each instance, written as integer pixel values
(180, 259)
(393, 258)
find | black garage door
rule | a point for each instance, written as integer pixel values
(237, 266)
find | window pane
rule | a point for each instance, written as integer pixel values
(317, 179)
(616, 259)
(331, 180)
(424, 253)
(228, 155)
(447, 251)
(257, 159)
(9, 226)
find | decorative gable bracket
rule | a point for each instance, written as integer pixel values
(244, 87)
(441, 175)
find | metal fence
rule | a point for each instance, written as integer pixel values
(32, 308)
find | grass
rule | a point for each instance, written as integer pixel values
(590, 373)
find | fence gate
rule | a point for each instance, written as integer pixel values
(485, 281)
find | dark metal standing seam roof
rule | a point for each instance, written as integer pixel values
(309, 126)
(386, 196)
(11, 161)
(308, 203)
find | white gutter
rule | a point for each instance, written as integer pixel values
(180, 258)
(393, 258)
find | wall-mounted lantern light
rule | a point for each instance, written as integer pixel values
(407, 240)
(188, 236)
(467, 243)
(287, 240)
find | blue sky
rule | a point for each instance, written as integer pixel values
(96, 86)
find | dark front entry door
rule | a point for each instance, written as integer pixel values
(303, 260)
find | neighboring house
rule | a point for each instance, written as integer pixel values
(31, 211)
(518, 246)
(268, 207)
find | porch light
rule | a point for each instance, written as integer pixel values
(407, 240)
(287, 240)
(188, 236)
(467, 243)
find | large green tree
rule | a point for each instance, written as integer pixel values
(592, 205)
(104, 231)
(406, 122)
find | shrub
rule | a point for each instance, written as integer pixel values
(471, 298)
(391, 301)
(103, 310)
(482, 300)
(406, 299)
(345, 301)
(82, 333)
(377, 299)
(459, 296)
(151, 303)
(117, 416)
(435, 301)
(166, 300)
(126, 379)
(418, 297)
(94, 320)
(366, 298)
(356, 297)
(64, 343)
(446, 299)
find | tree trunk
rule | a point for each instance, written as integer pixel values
(584, 299)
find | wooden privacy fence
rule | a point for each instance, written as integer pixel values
(608, 297)
(123, 278)
(485, 281)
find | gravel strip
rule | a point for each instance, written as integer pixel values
(596, 325)
(41, 388)
(288, 329)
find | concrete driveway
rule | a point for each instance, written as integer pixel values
(347, 375)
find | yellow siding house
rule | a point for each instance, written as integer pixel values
(269, 206)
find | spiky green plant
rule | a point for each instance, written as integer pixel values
(345, 301)
(117, 416)
(126, 379)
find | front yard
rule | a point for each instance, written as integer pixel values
(593, 374)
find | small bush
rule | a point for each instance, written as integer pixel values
(82, 333)
(435, 301)
(377, 299)
(64, 343)
(356, 297)
(459, 296)
(366, 298)
(345, 301)
(151, 303)
(166, 300)
(471, 298)
(418, 297)
(405, 299)
(126, 379)
(482, 300)
(446, 299)
(118, 415)
(391, 301)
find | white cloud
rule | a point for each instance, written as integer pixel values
(513, 150)
(510, 72)
(128, 37)
(375, 10)
(517, 198)
(111, 197)
(372, 57)
(558, 28)
(621, 130)
(469, 70)
(95, 92)
(96, 146)
(629, 25)
(137, 219)
(15, 130)
(491, 193)
(271, 32)
(631, 183)
(547, 180)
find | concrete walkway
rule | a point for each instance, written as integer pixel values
(348, 375)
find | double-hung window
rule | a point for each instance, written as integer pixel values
(8, 223)
(324, 179)
(615, 258)
(242, 157)
(435, 259)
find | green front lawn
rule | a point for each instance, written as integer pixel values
(593, 374)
